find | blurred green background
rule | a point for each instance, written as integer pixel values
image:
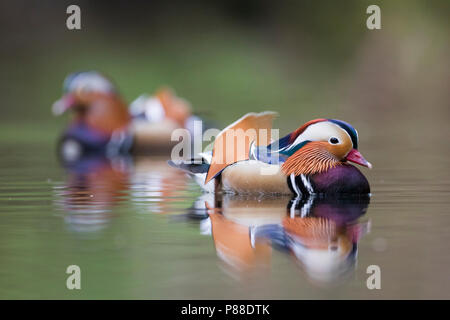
(303, 59)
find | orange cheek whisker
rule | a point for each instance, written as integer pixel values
(311, 159)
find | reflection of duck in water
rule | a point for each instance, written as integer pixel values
(155, 187)
(321, 233)
(103, 124)
(231, 228)
(94, 185)
(324, 237)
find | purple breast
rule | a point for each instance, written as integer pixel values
(89, 138)
(344, 178)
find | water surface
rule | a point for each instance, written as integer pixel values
(139, 229)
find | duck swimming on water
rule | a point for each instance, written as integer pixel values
(313, 159)
(104, 124)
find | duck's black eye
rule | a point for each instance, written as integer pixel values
(334, 140)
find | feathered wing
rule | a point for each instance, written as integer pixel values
(233, 143)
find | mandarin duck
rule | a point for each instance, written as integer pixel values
(313, 159)
(320, 233)
(103, 123)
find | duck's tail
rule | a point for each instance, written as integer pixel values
(190, 166)
(196, 168)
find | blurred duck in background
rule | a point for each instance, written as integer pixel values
(103, 124)
(320, 233)
(156, 117)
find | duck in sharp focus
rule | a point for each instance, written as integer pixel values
(104, 124)
(313, 159)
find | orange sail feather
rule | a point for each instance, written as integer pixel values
(233, 143)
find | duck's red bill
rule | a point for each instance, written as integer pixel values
(60, 106)
(356, 157)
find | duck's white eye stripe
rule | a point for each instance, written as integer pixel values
(320, 131)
